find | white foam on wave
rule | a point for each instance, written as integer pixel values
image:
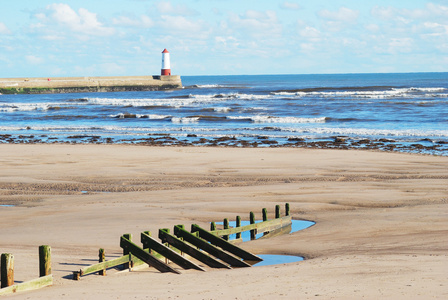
(185, 120)
(207, 86)
(367, 132)
(140, 116)
(221, 109)
(270, 119)
(290, 93)
(12, 107)
(429, 89)
(379, 94)
(223, 97)
(170, 102)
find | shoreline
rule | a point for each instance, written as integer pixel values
(380, 218)
(424, 146)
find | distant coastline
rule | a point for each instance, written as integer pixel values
(56, 85)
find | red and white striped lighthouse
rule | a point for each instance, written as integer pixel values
(166, 68)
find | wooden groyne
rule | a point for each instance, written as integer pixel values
(7, 273)
(186, 248)
(54, 85)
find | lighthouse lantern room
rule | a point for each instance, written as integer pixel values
(166, 68)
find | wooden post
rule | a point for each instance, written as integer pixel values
(264, 212)
(102, 258)
(238, 224)
(252, 221)
(145, 245)
(7, 269)
(226, 226)
(287, 209)
(212, 226)
(44, 260)
(128, 265)
(76, 275)
(277, 211)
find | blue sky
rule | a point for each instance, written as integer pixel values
(220, 37)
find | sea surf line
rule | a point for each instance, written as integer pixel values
(389, 112)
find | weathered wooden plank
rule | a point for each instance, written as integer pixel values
(104, 265)
(273, 224)
(7, 270)
(204, 245)
(168, 253)
(28, 285)
(110, 264)
(277, 232)
(145, 256)
(166, 237)
(220, 242)
(278, 223)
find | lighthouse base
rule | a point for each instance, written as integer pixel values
(166, 72)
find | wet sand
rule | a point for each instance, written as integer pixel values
(381, 218)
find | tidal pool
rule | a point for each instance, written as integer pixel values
(274, 259)
(295, 226)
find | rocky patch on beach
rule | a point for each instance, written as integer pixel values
(337, 142)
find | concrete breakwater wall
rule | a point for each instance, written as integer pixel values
(54, 85)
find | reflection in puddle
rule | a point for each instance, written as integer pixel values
(295, 226)
(6, 205)
(273, 259)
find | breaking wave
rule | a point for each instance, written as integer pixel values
(366, 92)
(270, 119)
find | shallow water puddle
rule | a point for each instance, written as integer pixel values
(6, 205)
(274, 259)
(295, 226)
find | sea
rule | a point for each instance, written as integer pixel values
(406, 112)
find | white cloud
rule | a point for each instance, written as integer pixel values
(289, 5)
(142, 22)
(384, 13)
(180, 23)
(429, 12)
(436, 29)
(256, 23)
(438, 10)
(83, 21)
(34, 60)
(343, 14)
(4, 29)
(227, 41)
(182, 10)
(400, 45)
(372, 27)
(338, 20)
(310, 33)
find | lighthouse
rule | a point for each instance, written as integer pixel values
(166, 68)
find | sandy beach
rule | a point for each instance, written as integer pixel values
(381, 218)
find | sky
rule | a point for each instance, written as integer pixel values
(221, 37)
